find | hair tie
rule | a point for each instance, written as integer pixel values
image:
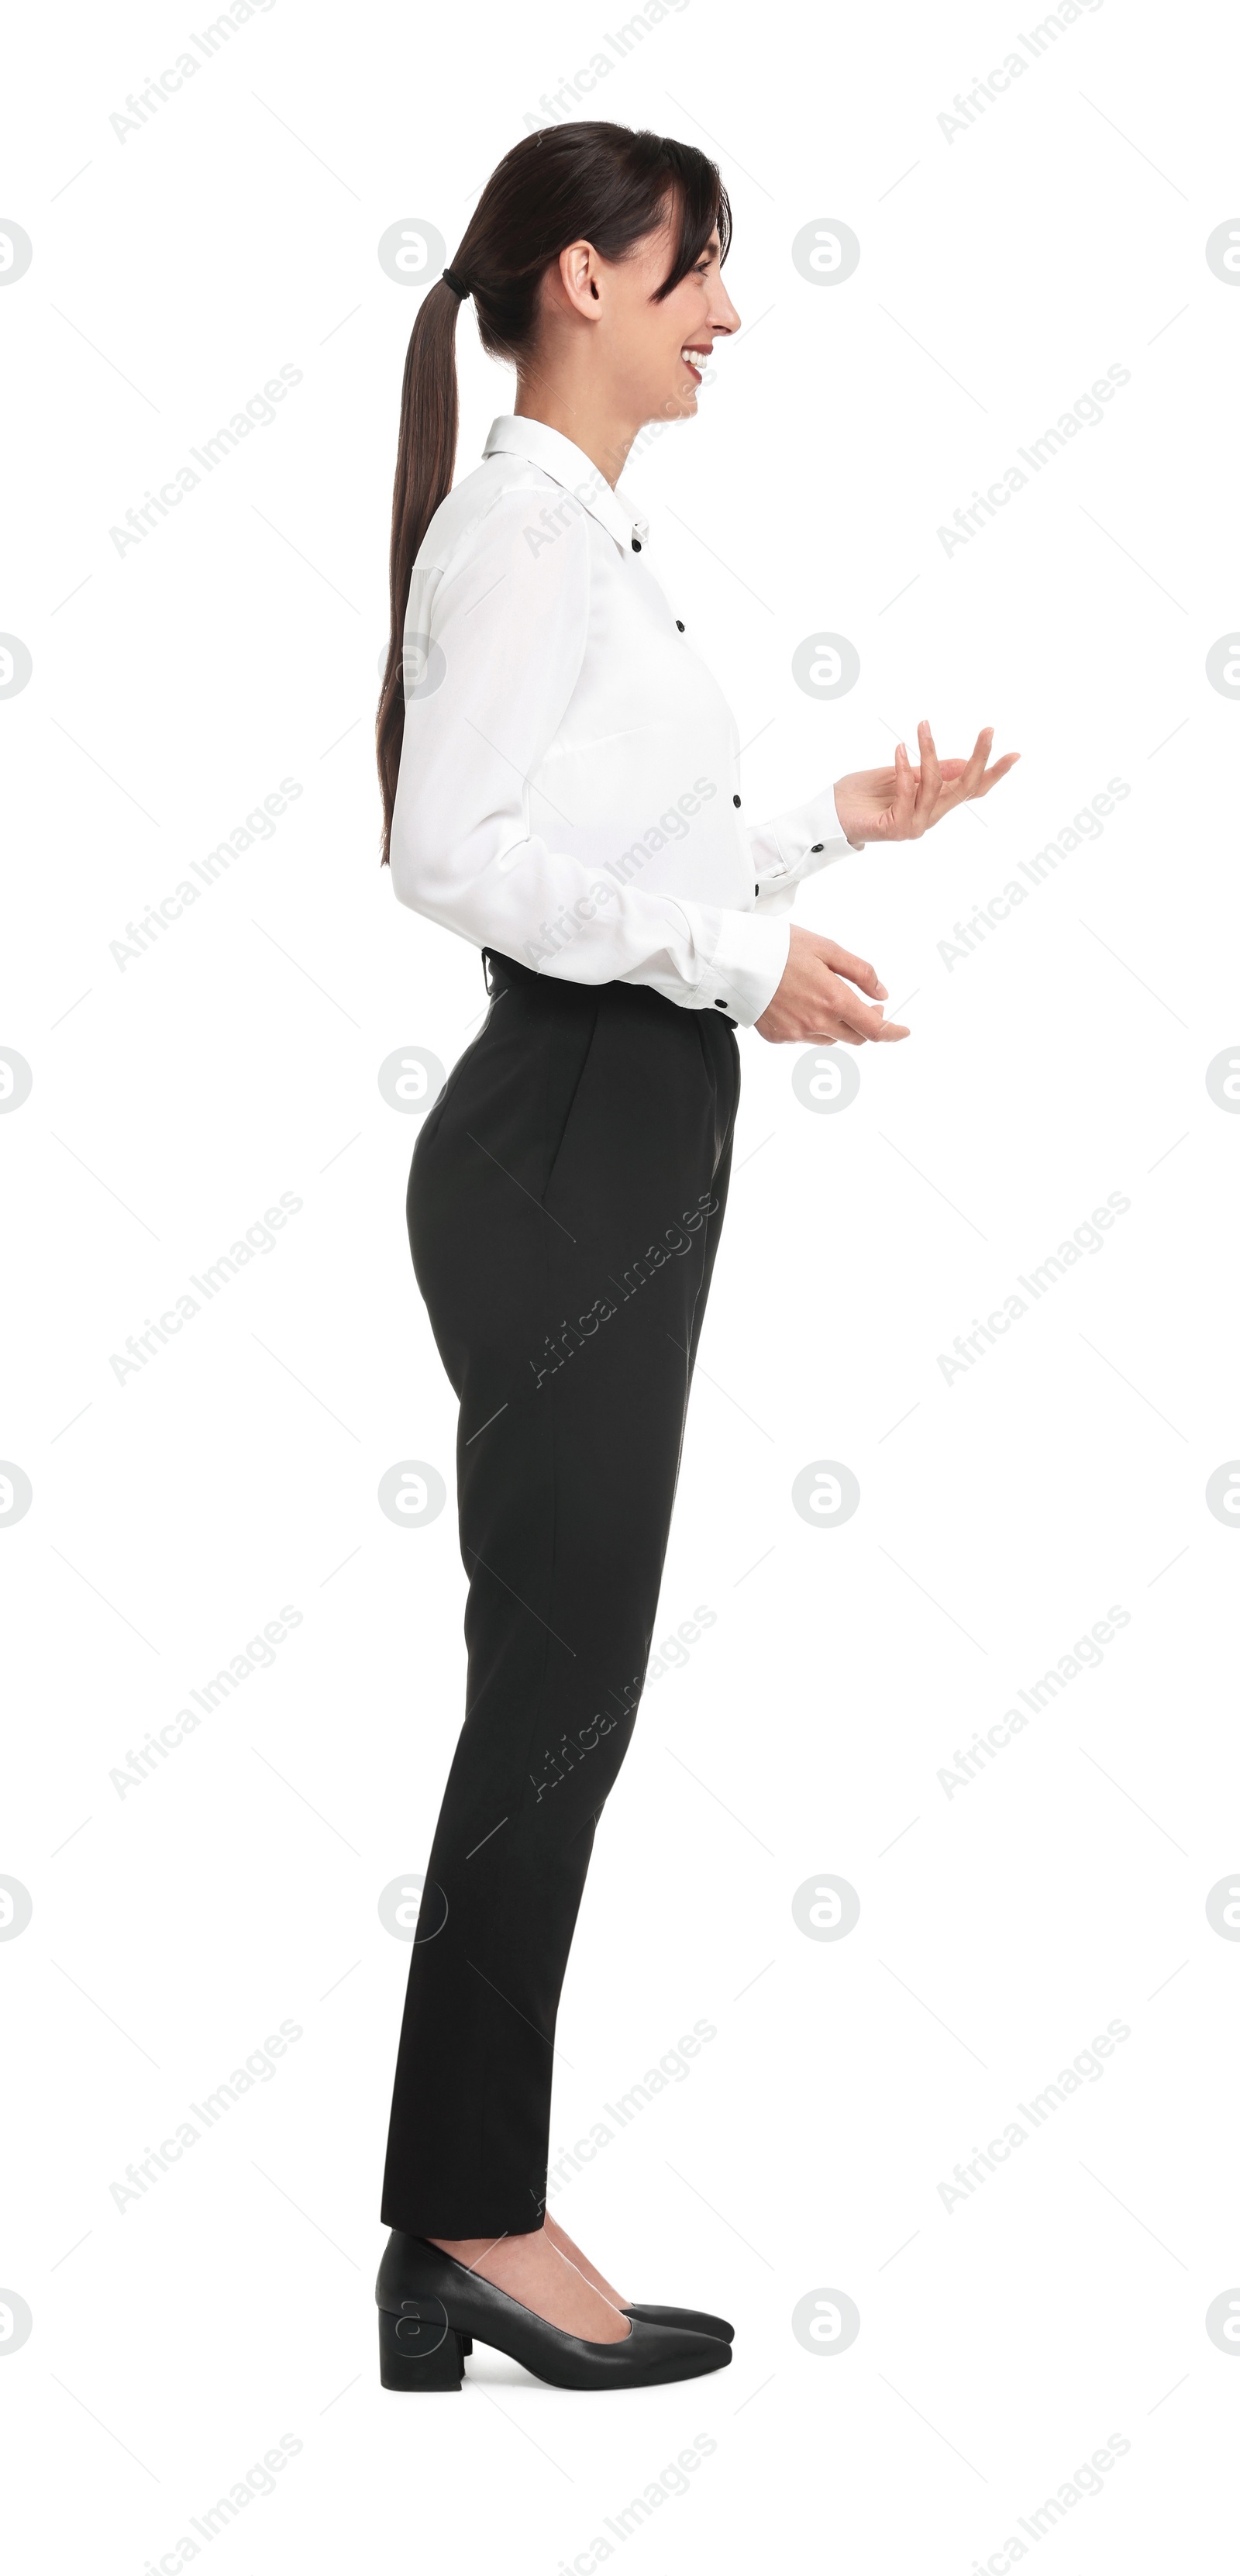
(457, 284)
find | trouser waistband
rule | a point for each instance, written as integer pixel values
(502, 972)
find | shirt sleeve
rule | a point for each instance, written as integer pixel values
(794, 846)
(494, 641)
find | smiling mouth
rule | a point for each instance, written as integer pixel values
(694, 359)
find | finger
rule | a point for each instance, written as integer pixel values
(858, 1026)
(857, 969)
(931, 774)
(969, 778)
(874, 1037)
(841, 1034)
(979, 756)
(955, 771)
(990, 777)
(850, 1011)
(904, 805)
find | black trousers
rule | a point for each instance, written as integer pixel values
(565, 1202)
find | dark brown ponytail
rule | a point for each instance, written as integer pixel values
(604, 184)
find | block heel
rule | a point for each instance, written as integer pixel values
(417, 2350)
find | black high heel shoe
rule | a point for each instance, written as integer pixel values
(432, 2309)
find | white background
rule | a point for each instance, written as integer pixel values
(1001, 1514)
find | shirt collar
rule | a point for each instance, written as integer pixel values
(572, 469)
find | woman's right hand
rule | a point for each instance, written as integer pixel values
(813, 999)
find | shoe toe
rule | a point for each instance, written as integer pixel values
(694, 2320)
(671, 2351)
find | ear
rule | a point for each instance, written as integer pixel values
(579, 272)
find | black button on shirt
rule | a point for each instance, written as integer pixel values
(636, 545)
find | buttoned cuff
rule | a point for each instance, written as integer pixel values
(797, 844)
(746, 966)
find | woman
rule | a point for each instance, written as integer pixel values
(559, 774)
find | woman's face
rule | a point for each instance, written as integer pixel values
(645, 358)
(670, 343)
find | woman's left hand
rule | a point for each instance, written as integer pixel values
(900, 804)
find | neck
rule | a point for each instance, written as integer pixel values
(589, 423)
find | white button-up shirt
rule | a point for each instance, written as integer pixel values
(568, 788)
